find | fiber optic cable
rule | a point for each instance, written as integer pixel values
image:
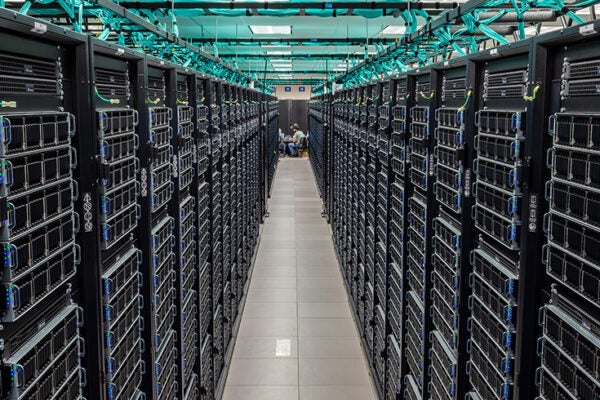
(469, 93)
(533, 93)
(104, 99)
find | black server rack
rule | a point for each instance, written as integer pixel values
(272, 149)
(497, 215)
(451, 243)
(165, 167)
(381, 111)
(319, 124)
(421, 211)
(569, 346)
(41, 340)
(157, 228)
(116, 87)
(203, 211)
(183, 208)
(398, 190)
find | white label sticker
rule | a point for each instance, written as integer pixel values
(39, 27)
(446, 63)
(87, 213)
(493, 52)
(587, 30)
(283, 348)
(120, 52)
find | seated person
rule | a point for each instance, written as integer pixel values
(281, 142)
(296, 139)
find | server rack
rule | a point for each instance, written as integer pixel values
(319, 123)
(498, 192)
(497, 118)
(114, 263)
(451, 243)
(41, 344)
(421, 211)
(399, 190)
(569, 344)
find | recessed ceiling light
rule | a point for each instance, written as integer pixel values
(283, 69)
(285, 76)
(361, 52)
(339, 69)
(393, 30)
(279, 53)
(281, 60)
(271, 46)
(271, 29)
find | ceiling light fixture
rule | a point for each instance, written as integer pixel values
(279, 53)
(271, 29)
(393, 30)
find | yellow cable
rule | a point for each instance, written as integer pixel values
(533, 94)
(111, 101)
(469, 93)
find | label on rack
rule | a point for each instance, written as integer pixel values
(468, 182)
(88, 226)
(533, 206)
(144, 182)
(39, 27)
(175, 166)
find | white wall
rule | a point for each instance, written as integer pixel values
(294, 93)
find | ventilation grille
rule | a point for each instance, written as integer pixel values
(20, 75)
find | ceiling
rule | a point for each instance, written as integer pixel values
(315, 48)
(320, 39)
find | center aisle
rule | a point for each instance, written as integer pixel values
(297, 338)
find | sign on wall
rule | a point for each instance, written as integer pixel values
(301, 89)
(287, 88)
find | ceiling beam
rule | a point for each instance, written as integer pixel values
(287, 41)
(294, 56)
(294, 71)
(231, 5)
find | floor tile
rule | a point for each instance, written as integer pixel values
(268, 327)
(263, 372)
(324, 310)
(322, 295)
(271, 310)
(266, 347)
(320, 283)
(323, 271)
(281, 282)
(329, 347)
(333, 372)
(279, 271)
(330, 327)
(364, 392)
(271, 295)
(260, 393)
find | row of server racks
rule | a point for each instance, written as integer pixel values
(464, 199)
(131, 194)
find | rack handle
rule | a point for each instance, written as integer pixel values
(545, 253)
(5, 128)
(550, 158)
(548, 190)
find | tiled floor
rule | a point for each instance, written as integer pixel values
(297, 339)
